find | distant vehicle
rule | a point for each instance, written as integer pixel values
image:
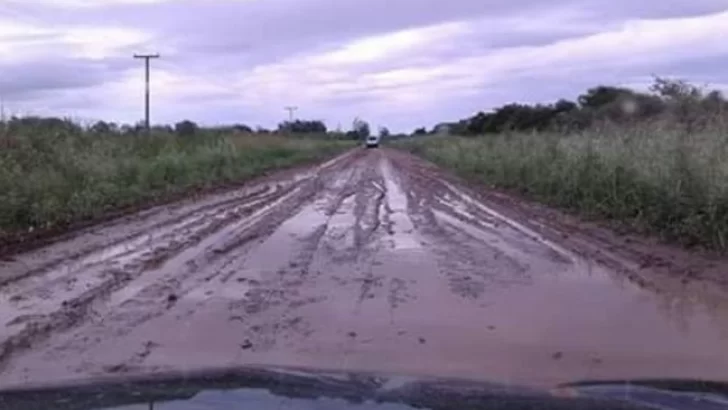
(372, 141)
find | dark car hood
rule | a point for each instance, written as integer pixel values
(279, 388)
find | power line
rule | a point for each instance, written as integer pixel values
(291, 110)
(147, 58)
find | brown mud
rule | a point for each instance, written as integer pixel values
(374, 261)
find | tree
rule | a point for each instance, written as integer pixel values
(302, 127)
(163, 129)
(673, 100)
(186, 128)
(360, 129)
(42, 125)
(563, 105)
(242, 128)
(101, 127)
(384, 132)
(675, 89)
(420, 131)
(600, 96)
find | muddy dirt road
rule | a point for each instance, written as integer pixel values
(371, 261)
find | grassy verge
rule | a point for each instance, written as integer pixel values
(658, 180)
(51, 181)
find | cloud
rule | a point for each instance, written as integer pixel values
(402, 63)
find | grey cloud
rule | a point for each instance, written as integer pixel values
(27, 79)
(216, 34)
(264, 31)
(655, 9)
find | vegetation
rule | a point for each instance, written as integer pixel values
(302, 127)
(360, 130)
(54, 172)
(674, 100)
(657, 162)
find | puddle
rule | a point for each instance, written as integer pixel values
(339, 234)
(402, 234)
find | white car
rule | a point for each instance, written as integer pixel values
(372, 141)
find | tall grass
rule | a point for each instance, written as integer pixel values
(54, 179)
(655, 178)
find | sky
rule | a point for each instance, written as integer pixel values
(395, 63)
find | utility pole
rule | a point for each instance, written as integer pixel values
(146, 58)
(2, 113)
(291, 110)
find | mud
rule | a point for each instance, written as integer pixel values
(374, 261)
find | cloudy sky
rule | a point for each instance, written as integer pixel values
(400, 63)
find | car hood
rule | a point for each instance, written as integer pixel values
(276, 388)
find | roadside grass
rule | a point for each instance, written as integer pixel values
(52, 180)
(655, 178)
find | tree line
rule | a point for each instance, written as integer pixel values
(360, 129)
(666, 99)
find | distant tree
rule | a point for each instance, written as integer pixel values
(43, 125)
(684, 102)
(186, 128)
(600, 96)
(715, 103)
(242, 128)
(675, 89)
(101, 127)
(384, 133)
(139, 128)
(302, 127)
(162, 129)
(565, 106)
(420, 131)
(360, 129)
(676, 101)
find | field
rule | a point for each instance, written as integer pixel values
(52, 179)
(652, 178)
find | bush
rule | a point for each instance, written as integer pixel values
(185, 128)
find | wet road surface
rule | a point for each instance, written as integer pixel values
(368, 262)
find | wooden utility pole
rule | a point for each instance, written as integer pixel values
(291, 110)
(147, 58)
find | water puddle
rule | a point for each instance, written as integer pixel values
(339, 234)
(402, 231)
(617, 329)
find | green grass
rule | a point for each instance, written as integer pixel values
(49, 180)
(655, 179)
